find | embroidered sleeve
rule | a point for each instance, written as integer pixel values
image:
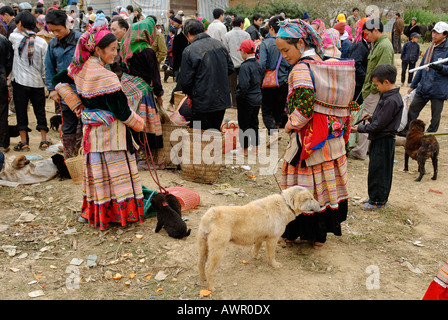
(300, 107)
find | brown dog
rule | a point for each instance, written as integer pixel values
(421, 147)
(260, 220)
(19, 162)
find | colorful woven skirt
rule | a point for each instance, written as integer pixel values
(327, 181)
(112, 189)
(438, 289)
(153, 125)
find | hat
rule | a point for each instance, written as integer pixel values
(178, 19)
(340, 27)
(415, 35)
(414, 18)
(247, 46)
(341, 17)
(441, 27)
(305, 16)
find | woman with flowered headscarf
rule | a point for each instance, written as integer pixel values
(44, 31)
(141, 82)
(318, 129)
(331, 42)
(319, 26)
(112, 190)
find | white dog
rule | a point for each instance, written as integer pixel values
(260, 220)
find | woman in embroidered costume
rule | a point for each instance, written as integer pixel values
(112, 189)
(141, 81)
(315, 157)
(438, 288)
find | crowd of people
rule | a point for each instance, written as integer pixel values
(104, 75)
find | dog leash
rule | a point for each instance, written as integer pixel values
(148, 151)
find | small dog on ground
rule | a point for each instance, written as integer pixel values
(59, 162)
(55, 122)
(19, 162)
(421, 147)
(169, 215)
(260, 220)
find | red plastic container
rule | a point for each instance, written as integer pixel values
(188, 199)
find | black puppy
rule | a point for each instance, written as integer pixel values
(169, 215)
(55, 122)
(59, 162)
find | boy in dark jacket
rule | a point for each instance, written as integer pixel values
(409, 56)
(382, 130)
(249, 97)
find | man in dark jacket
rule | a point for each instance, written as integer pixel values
(61, 50)
(432, 84)
(203, 76)
(254, 29)
(409, 56)
(359, 51)
(7, 14)
(6, 59)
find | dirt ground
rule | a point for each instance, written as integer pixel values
(392, 254)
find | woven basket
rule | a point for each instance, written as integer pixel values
(163, 155)
(178, 97)
(200, 172)
(75, 167)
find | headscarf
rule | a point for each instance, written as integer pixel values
(320, 26)
(331, 37)
(100, 20)
(139, 37)
(86, 47)
(42, 22)
(204, 21)
(299, 29)
(358, 31)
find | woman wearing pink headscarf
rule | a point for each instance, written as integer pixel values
(332, 43)
(112, 191)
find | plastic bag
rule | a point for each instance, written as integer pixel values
(407, 100)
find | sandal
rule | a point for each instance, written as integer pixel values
(22, 147)
(44, 145)
(370, 207)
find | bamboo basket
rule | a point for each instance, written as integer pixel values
(75, 167)
(164, 154)
(200, 172)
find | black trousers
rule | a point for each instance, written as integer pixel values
(70, 121)
(417, 106)
(4, 129)
(381, 165)
(248, 124)
(273, 107)
(404, 67)
(22, 95)
(207, 120)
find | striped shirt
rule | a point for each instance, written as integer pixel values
(22, 72)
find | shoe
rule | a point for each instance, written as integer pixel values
(4, 149)
(82, 219)
(350, 156)
(401, 84)
(22, 147)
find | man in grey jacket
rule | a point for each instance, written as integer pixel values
(232, 41)
(274, 99)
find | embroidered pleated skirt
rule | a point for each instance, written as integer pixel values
(112, 189)
(327, 181)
